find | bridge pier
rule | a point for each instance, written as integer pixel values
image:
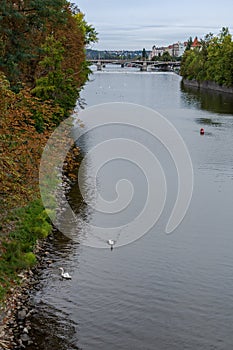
(99, 66)
(144, 67)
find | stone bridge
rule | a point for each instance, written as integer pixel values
(142, 64)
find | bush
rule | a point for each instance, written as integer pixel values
(29, 259)
(31, 224)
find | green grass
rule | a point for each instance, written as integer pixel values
(31, 224)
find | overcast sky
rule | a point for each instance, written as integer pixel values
(135, 24)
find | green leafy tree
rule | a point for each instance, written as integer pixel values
(23, 25)
(189, 44)
(220, 61)
(223, 33)
(88, 30)
(155, 58)
(213, 61)
(144, 55)
(63, 68)
(166, 57)
(56, 85)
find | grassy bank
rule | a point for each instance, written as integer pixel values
(30, 224)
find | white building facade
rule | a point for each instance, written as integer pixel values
(174, 50)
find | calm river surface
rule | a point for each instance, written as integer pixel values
(168, 292)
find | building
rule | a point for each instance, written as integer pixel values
(181, 48)
(174, 50)
(170, 50)
(196, 44)
(156, 51)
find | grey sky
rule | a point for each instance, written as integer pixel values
(134, 24)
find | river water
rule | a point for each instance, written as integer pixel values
(162, 291)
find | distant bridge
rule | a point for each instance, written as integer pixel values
(170, 65)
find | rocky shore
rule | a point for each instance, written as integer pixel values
(15, 314)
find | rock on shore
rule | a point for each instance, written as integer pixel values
(15, 314)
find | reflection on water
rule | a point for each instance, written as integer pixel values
(208, 121)
(52, 327)
(52, 330)
(210, 100)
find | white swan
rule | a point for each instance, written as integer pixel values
(111, 242)
(65, 274)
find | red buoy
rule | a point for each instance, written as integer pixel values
(202, 131)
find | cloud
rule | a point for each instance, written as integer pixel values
(130, 24)
(137, 37)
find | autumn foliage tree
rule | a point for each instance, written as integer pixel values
(63, 70)
(42, 69)
(21, 143)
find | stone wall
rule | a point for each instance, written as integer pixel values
(207, 85)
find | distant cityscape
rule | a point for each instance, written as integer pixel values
(113, 54)
(175, 51)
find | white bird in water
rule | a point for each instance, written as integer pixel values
(111, 242)
(65, 274)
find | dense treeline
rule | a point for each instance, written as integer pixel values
(42, 46)
(212, 60)
(42, 69)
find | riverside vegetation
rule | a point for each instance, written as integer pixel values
(211, 61)
(42, 69)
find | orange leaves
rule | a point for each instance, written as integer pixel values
(21, 143)
(27, 122)
(71, 164)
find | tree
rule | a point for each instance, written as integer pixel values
(189, 44)
(56, 84)
(213, 61)
(88, 30)
(144, 55)
(63, 68)
(220, 60)
(166, 57)
(42, 45)
(46, 38)
(42, 69)
(223, 33)
(23, 26)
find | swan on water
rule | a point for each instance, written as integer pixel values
(111, 242)
(64, 274)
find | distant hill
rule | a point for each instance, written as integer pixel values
(96, 54)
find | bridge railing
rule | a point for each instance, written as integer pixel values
(105, 61)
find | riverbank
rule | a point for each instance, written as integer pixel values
(24, 254)
(20, 234)
(209, 85)
(15, 314)
(35, 97)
